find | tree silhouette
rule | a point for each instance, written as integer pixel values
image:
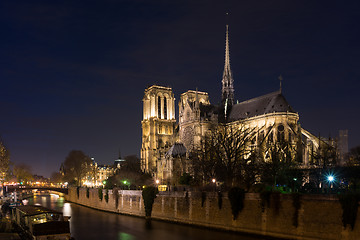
(76, 166)
(23, 173)
(4, 161)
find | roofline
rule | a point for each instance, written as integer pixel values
(260, 97)
(43, 209)
(294, 114)
(158, 87)
(193, 91)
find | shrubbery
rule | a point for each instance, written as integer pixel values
(149, 195)
(349, 203)
(236, 196)
(100, 193)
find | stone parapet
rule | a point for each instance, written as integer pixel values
(319, 216)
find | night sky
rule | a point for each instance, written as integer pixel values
(73, 73)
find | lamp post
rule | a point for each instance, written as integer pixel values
(127, 184)
(214, 182)
(157, 181)
(331, 179)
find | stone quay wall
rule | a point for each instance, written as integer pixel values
(319, 217)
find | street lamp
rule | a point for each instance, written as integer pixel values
(157, 181)
(330, 178)
(214, 182)
(127, 184)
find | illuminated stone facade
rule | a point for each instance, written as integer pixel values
(158, 125)
(193, 124)
(269, 115)
(98, 174)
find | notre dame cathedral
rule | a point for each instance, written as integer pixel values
(166, 143)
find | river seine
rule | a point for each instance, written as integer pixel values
(90, 224)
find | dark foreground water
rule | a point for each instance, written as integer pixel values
(90, 224)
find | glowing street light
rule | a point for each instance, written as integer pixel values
(330, 178)
(126, 183)
(157, 181)
(214, 182)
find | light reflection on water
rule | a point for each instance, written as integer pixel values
(90, 224)
(125, 236)
(67, 209)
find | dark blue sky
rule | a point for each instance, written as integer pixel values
(73, 73)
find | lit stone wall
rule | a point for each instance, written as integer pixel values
(157, 125)
(319, 216)
(191, 127)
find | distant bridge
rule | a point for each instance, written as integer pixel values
(20, 188)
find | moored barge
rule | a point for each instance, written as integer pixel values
(41, 223)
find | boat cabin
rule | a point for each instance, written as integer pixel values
(42, 223)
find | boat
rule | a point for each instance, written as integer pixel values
(41, 223)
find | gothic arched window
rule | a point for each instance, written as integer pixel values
(270, 137)
(165, 108)
(159, 107)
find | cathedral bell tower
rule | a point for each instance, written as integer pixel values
(158, 126)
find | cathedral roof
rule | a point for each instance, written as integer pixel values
(176, 150)
(207, 110)
(269, 103)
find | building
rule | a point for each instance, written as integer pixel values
(166, 144)
(158, 125)
(98, 174)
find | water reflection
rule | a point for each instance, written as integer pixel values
(67, 210)
(90, 224)
(125, 236)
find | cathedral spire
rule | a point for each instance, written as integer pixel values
(227, 79)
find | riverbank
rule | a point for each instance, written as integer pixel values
(316, 217)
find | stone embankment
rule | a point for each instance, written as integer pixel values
(316, 217)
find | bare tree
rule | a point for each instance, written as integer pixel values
(233, 148)
(279, 163)
(4, 162)
(76, 166)
(354, 156)
(23, 173)
(225, 153)
(204, 160)
(56, 178)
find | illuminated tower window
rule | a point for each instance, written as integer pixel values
(159, 107)
(165, 108)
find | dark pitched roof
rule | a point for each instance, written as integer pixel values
(207, 110)
(177, 150)
(269, 103)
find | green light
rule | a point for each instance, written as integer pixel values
(104, 182)
(125, 182)
(21, 183)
